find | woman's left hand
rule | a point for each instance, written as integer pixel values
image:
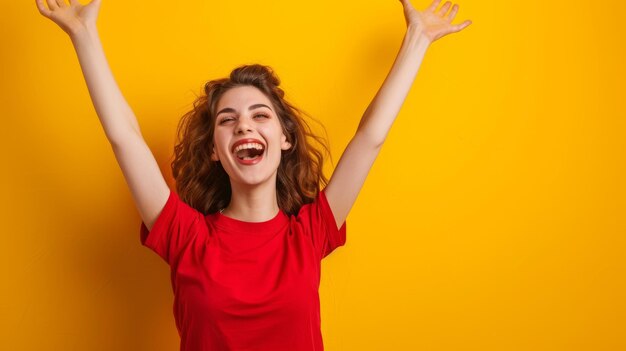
(430, 23)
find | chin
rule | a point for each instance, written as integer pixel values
(262, 172)
(256, 178)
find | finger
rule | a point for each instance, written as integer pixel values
(433, 6)
(61, 3)
(406, 3)
(453, 12)
(96, 4)
(52, 5)
(460, 26)
(42, 8)
(444, 9)
(74, 3)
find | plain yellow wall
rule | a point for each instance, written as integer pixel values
(493, 219)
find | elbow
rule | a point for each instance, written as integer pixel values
(122, 137)
(369, 139)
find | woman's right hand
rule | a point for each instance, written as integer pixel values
(71, 18)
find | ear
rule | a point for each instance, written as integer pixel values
(214, 156)
(284, 145)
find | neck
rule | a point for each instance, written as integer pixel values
(253, 203)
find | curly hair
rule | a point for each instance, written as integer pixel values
(204, 184)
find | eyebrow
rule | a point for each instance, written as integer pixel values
(252, 107)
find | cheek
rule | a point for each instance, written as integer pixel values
(218, 141)
(275, 132)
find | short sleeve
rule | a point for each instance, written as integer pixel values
(174, 228)
(319, 222)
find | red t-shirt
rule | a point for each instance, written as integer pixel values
(245, 285)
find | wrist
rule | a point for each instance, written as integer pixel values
(416, 38)
(83, 31)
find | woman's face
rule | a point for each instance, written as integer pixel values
(246, 113)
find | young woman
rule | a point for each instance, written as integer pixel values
(247, 229)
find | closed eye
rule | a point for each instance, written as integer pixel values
(227, 119)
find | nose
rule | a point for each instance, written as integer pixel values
(243, 126)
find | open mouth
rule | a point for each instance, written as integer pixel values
(249, 153)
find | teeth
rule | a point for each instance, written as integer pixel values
(249, 146)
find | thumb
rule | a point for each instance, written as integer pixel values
(406, 3)
(77, 3)
(94, 3)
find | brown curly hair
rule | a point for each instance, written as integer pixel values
(204, 184)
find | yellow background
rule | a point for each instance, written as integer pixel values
(493, 219)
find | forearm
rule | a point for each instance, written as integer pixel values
(116, 116)
(382, 111)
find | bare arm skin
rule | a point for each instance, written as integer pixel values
(140, 169)
(423, 27)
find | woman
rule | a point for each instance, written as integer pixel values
(246, 237)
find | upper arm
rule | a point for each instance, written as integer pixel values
(143, 176)
(350, 174)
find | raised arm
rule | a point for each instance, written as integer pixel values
(140, 169)
(423, 27)
(79, 22)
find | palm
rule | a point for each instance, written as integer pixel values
(70, 17)
(431, 23)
